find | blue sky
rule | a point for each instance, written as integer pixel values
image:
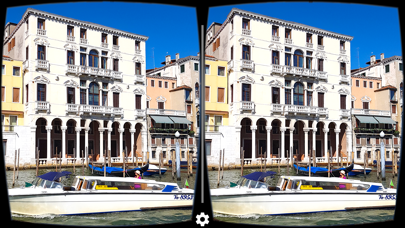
(375, 29)
(171, 29)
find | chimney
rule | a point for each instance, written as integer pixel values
(381, 56)
(177, 56)
(168, 59)
(372, 59)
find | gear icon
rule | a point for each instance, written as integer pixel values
(205, 220)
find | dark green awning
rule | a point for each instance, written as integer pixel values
(385, 120)
(366, 119)
(180, 120)
(162, 119)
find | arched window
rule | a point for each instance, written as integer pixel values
(93, 58)
(93, 94)
(298, 58)
(298, 94)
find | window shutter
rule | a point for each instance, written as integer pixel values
(138, 101)
(2, 93)
(207, 93)
(320, 100)
(189, 109)
(116, 100)
(221, 93)
(342, 101)
(16, 94)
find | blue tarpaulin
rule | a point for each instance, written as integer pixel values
(110, 169)
(51, 176)
(316, 169)
(259, 175)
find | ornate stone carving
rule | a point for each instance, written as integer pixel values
(71, 83)
(247, 79)
(161, 99)
(139, 91)
(41, 41)
(276, 47)
(365, 99)
(343, 59)
(275, 83)
(70, 47)
(344, 91)
(138, 59)
(116, 55)
(321, 88)
(320, 55)
(41, 79)
(116, 89)
(246, 41)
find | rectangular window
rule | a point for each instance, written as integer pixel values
(365, 84)
(357, 83)
(115, 64)
(231, 93)
(115, 40)
(275, 95)
(309, 63)
(196, 66)
(321, 100)
(343, 68)
(137, 45)
(103, 62)
(275, 57)
(160, 84)
(13, 122)
(41, 92)
(288, 33)
(104, 98)
(365, 105)
(320, 40)
(166, 85)
(138, 100)
(182, 68)
(288, 96)
(41, 52)
(245, 24)
(116, 100)
(394, 109)
(70, 57)
(70, 95)
(245, 52)
(173, 85)
(83, 33)
(16, 95)
(161, 105)
(370, 85)
(221, 95)
(207, 69)
(387, 68)
(342, 101)
(70, 30)
(309, 98)
(152, 83)
(221, 71)
(274, 30)
(320, 64)
(232, 53)
(82, 96)
(309, 38)
(189, 109)
(208, 147)
(246, 92)
(342, 45)
(26, 93)
(288, 59)
(104, 38)
(16, 71)
(207, 93)
(41, 24)
(138, 69)
(82, 59)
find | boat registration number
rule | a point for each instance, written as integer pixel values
(183, 197)
(387, 197)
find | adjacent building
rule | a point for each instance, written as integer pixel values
(377, 106)
(83, 89)
(288, 85)
(172, 106)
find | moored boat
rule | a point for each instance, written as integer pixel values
(322, 172)
(358, 170)
(153, 169)
(96, 194)
(300, 194)
(116, 171)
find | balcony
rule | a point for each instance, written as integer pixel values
(370, 112)
(231, 64)
(343, 52)
(299, 71)
(95, 109)
(26, 65)
(70, 38)
(138, 51)
(247, 106)
(42, 65)
(374, 131)
(140, 79)
(98, 72)
(41, 32)
(104, 45)
(116, 47)
(344, 78)
(247, 64)
(140, 113)
(72, 108)
(345, 113)
(321, 47)
(276, 108)
(309, 45)
(83, 41)
(300, 109)
(288, 41)
(42, 106)
(165, 112)
(246, 32)
(275, 38)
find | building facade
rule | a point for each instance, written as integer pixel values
(81, 87)
(172, 107)
(377, 106)
(288, 84)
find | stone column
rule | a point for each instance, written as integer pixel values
(282, 130)
(33, 140)
(120, 131)
(291, 143)
(132, 131)
(78, 152)
(101, 130)
(108, 144)
(337, 131)
(325, 131)
(349, 144)
(314, 140)
(306, 143)
(237, 142)
(144, 143)
(86, 142)
(268, 141)
(48, 143)
(253, 128)
(63, 128)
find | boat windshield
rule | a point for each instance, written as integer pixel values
(117, 185)
(246, 183)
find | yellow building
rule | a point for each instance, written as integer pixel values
(12, 107)
(216, 94)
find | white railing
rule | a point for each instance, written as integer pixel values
(247, 64)
(309, 45)
(246, 32)
(71, 38)
(275, 38)
(93, 71)
(300, 109)
(371, 112)
(276, 68)
(344, 78)
(138, 51)
(42, 64)
(116, 74)
(166, 112)
(42, 105)
(140, 113)
(104, 45)
(101, 110)
(41, 32)
(288, 41)
(83, 41)
(276, 107)
(345, 112)
(322, 111)
(322, 75)
(72, 107)
(115, 47)
(247, 105)
(140, 78)
(321, 47)
(343, 52)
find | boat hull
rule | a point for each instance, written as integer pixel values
(275, 203)
(66, 203)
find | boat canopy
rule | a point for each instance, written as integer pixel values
(52, 176)
(256, 176)
(316, 169)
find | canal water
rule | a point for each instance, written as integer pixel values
(175, 216)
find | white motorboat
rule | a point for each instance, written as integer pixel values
(299, 194)
(96, 194)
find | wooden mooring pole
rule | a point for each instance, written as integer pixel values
(242, 160)
(82, 158)
(15, 160)
(18, 162)
(36, 169)
(219, 166)
(74, 161)
(327, 154)
(309, 163)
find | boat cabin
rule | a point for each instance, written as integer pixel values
(289, 183)
(48, 180)
(83, 183)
